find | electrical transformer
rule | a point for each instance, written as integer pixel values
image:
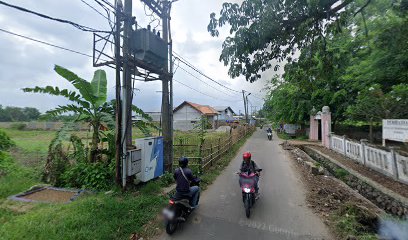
(134, 162)
(150, 48)
(152, 164)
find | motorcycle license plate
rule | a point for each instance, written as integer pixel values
(168, 214)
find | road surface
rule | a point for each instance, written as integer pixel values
(280, 213)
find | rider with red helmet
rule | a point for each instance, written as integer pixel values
(249, 165)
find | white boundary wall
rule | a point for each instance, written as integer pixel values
(386, 161)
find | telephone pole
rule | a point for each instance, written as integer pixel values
(118, 6)
(166, 103)
(245, 106)
(126, 87)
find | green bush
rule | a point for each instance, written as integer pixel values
(98, 176)
(18, 126)
(340, 173)
(166, 180)
(5, 141)
(6, 163)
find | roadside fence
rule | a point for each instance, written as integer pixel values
(388, 161)
(205, 154)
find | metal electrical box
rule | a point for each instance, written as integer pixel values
(134, 162)
(152, 164)
(149, 48)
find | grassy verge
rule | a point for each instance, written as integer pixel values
(285, 136)
(95, 216)
(351, 222)
(115, 215)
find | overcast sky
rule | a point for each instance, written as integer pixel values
(24, 63)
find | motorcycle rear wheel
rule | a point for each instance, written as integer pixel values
(171, 227)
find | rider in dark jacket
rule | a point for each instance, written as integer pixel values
(183, 176)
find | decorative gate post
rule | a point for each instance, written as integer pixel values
(314, 126)
(326, 126)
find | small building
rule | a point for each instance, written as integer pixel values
(188, 114)
(156, 116)
(225, 113)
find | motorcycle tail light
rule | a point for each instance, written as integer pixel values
(171, 202)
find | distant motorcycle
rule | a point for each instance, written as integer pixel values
(178, 210)
(269, 136)
(247, 182)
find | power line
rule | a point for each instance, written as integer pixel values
(203, 92)
(96, 10)
(46, 43)
(187, 63)
(201, 73)
(76, 25)
(202, 80)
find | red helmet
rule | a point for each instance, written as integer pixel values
(247, 155)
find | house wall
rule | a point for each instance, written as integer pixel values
(185, 118)
(155, 116)
(186, 113)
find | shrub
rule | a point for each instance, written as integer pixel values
(166, 179)
(6, 163)
(18, 126)
(98, 176)
(5, 141)
(340, 173)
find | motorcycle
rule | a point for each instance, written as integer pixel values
(178, 210)
(247, 183)
(269, 136)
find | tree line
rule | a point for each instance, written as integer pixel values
(358, 67)
(350, 55)
(26, 114)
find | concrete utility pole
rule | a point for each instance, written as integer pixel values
(245, 106)
(118, 6)
(171, 64)
(166, 107)
(127, 87)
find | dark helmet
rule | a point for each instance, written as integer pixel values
(246, 156)
(183, 162)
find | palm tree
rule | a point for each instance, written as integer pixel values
(89, 103)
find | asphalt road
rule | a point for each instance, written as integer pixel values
(280, 213)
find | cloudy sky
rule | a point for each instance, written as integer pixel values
(24, 63)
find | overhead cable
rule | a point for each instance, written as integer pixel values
(203, 92)
(46, 43)
(76, 25)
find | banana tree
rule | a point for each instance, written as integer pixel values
(88, 102)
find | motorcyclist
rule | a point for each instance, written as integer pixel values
(269, 130)
(249, 165)
(183, 176)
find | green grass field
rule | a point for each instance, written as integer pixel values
(116, 215)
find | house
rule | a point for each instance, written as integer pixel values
(156, 116)
(187, 114)
(225, 113)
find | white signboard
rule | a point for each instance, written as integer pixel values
(395, 129)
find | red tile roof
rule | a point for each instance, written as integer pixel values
(203, 109)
